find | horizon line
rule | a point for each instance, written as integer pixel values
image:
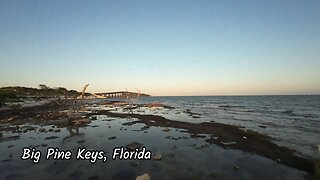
(300, 94)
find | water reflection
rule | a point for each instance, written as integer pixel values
(73, 131)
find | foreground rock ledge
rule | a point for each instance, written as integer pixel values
(229, 136)
(226, 136)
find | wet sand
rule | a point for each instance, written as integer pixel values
(188, 150)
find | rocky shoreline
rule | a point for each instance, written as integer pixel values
(70, 113)
(227, 136)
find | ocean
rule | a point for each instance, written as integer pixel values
(292, 121)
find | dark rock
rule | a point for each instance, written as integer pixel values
(29, 128)
(236, 168)
(10, 138)
(130, 123)
(93, 117)
(51, 137)
(81, 141)
(6, 160)
(144, 128)
(113, 137)
(278, 160)
(157, 157)
(133, 146)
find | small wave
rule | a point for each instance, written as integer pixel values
(290, 111)
(212, 106)
(305, 115)
(281, 111)
(307, 129)
(245, 110)
(222, 102)
(231, 106)
(245, 120)
(308, 121)
(310, 116)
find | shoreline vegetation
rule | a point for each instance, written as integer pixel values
(14, 95)
(14, 98)
(72, 112)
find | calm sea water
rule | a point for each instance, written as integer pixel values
(293, 121)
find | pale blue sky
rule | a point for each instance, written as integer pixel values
(186, 47)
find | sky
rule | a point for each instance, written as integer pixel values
(167, 47)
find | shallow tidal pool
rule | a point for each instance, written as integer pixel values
(183, 156)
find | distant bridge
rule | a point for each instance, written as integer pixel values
(119, 94)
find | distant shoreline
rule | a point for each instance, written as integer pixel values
(235, 95)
